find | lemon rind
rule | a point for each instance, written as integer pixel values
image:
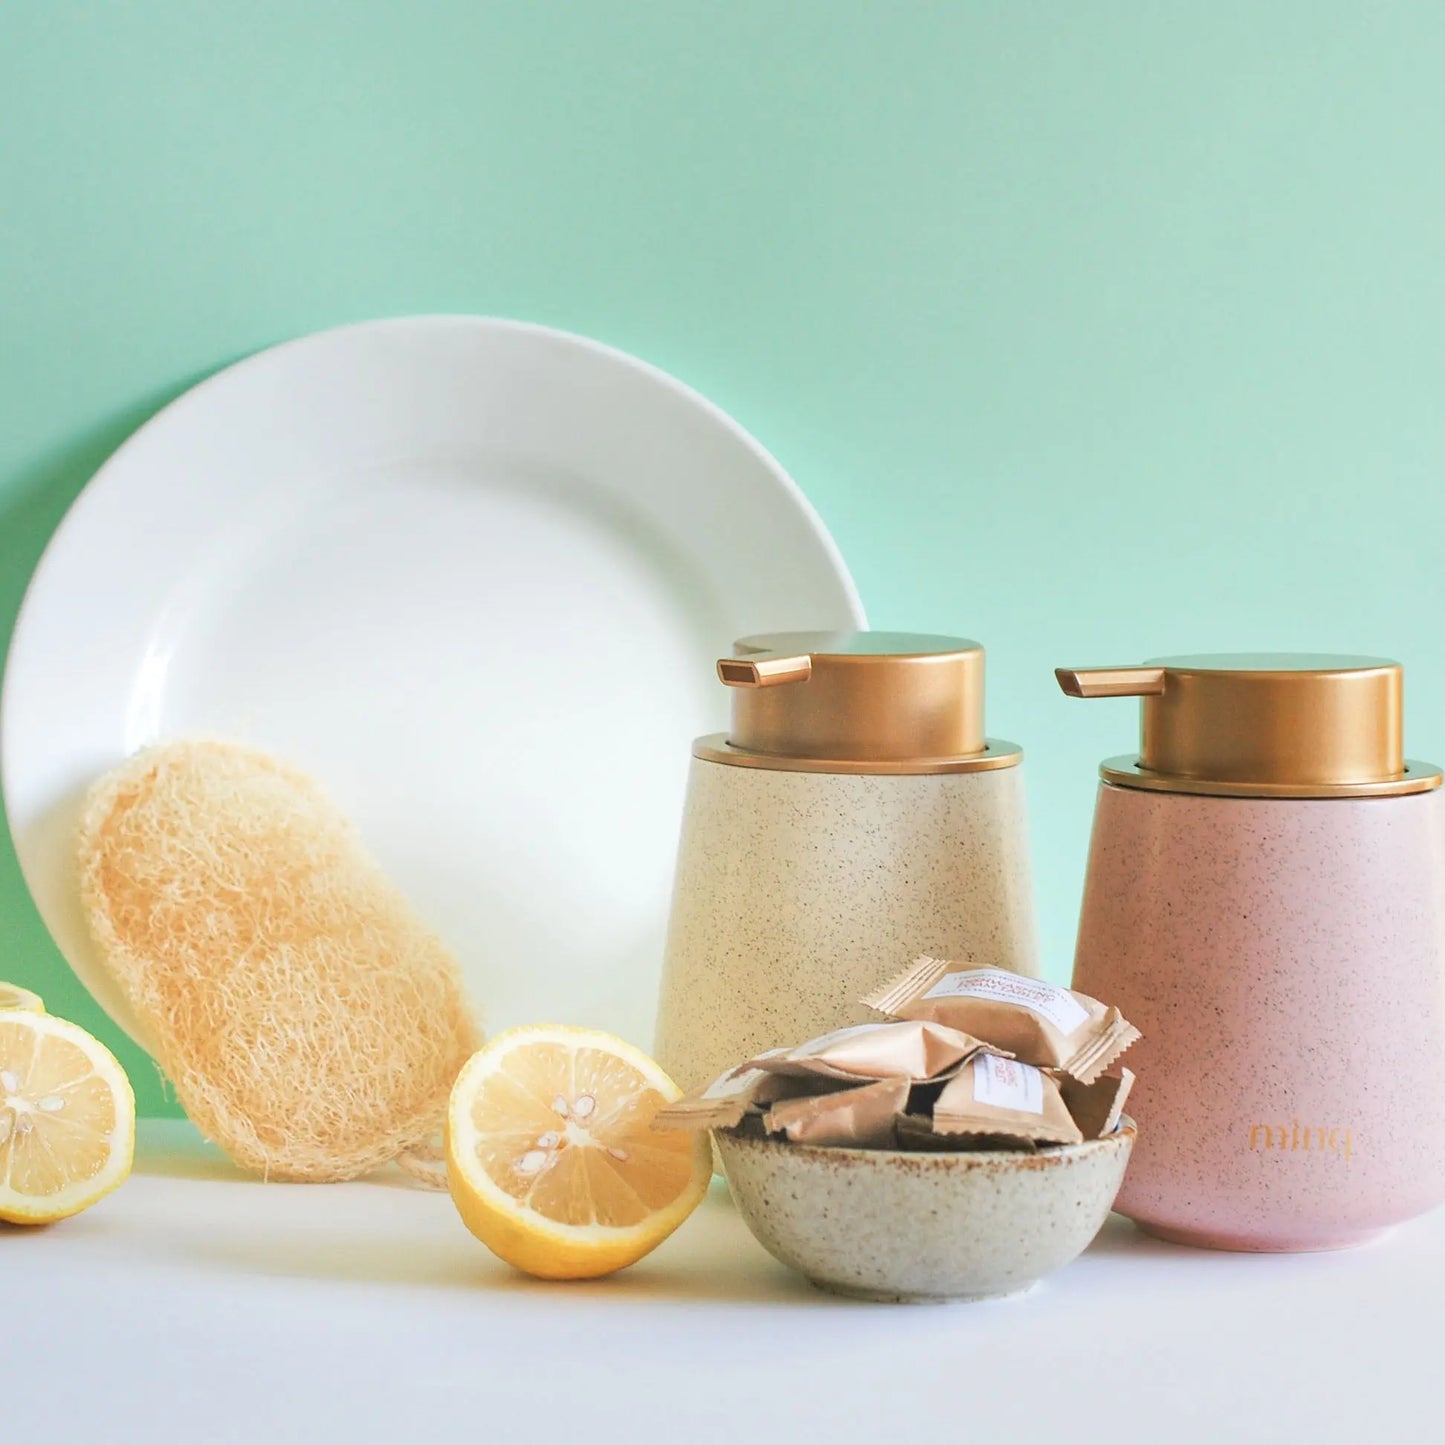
(14, 999)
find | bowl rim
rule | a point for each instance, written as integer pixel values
(1055, 1155)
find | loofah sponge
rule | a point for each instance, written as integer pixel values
(312, 1025)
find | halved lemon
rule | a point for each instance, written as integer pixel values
(552, 1159)
(67, 1119)
(13, 998)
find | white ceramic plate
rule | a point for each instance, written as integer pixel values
(471, 574)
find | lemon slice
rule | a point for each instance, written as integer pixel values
(552, 1159)
(13, 997)
(67, 1119)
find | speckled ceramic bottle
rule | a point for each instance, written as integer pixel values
(1265, 900)
(854, 817)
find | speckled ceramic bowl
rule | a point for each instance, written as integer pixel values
(887, 1224)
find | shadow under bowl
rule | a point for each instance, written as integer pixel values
(898, 1225)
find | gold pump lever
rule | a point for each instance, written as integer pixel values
(763, 670)
(1111, 681)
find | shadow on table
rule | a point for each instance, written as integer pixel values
(712, 1259)
(1121, 1236)
(171, 1149)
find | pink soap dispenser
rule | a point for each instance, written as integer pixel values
(1265, 899)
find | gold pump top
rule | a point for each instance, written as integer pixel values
(856, 702)
(1269, 724)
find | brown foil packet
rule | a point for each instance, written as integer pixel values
(1006, 1098)
(916, 1132)
(1042, 1023)
(1097, 1107)
(915, 1049)
(861, 1118)
(724, 1102)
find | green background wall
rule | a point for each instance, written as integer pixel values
(1093, 330)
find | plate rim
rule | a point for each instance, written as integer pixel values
(195, 394)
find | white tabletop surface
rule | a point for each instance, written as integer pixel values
(197, 1305)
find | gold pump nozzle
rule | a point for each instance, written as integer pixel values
(1284, 725)
(866, 702)
(763, 671)
(1111, 681)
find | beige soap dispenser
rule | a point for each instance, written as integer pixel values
(854, 817)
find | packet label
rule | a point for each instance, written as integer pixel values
(1008, 1084)
(1005, 1099)
(1041, 1023)
(1047, 1000)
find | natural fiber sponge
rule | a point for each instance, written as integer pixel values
(311, 1023)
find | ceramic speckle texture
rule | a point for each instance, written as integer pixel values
(900, 1226)
(1284, 961)
(798, 892)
